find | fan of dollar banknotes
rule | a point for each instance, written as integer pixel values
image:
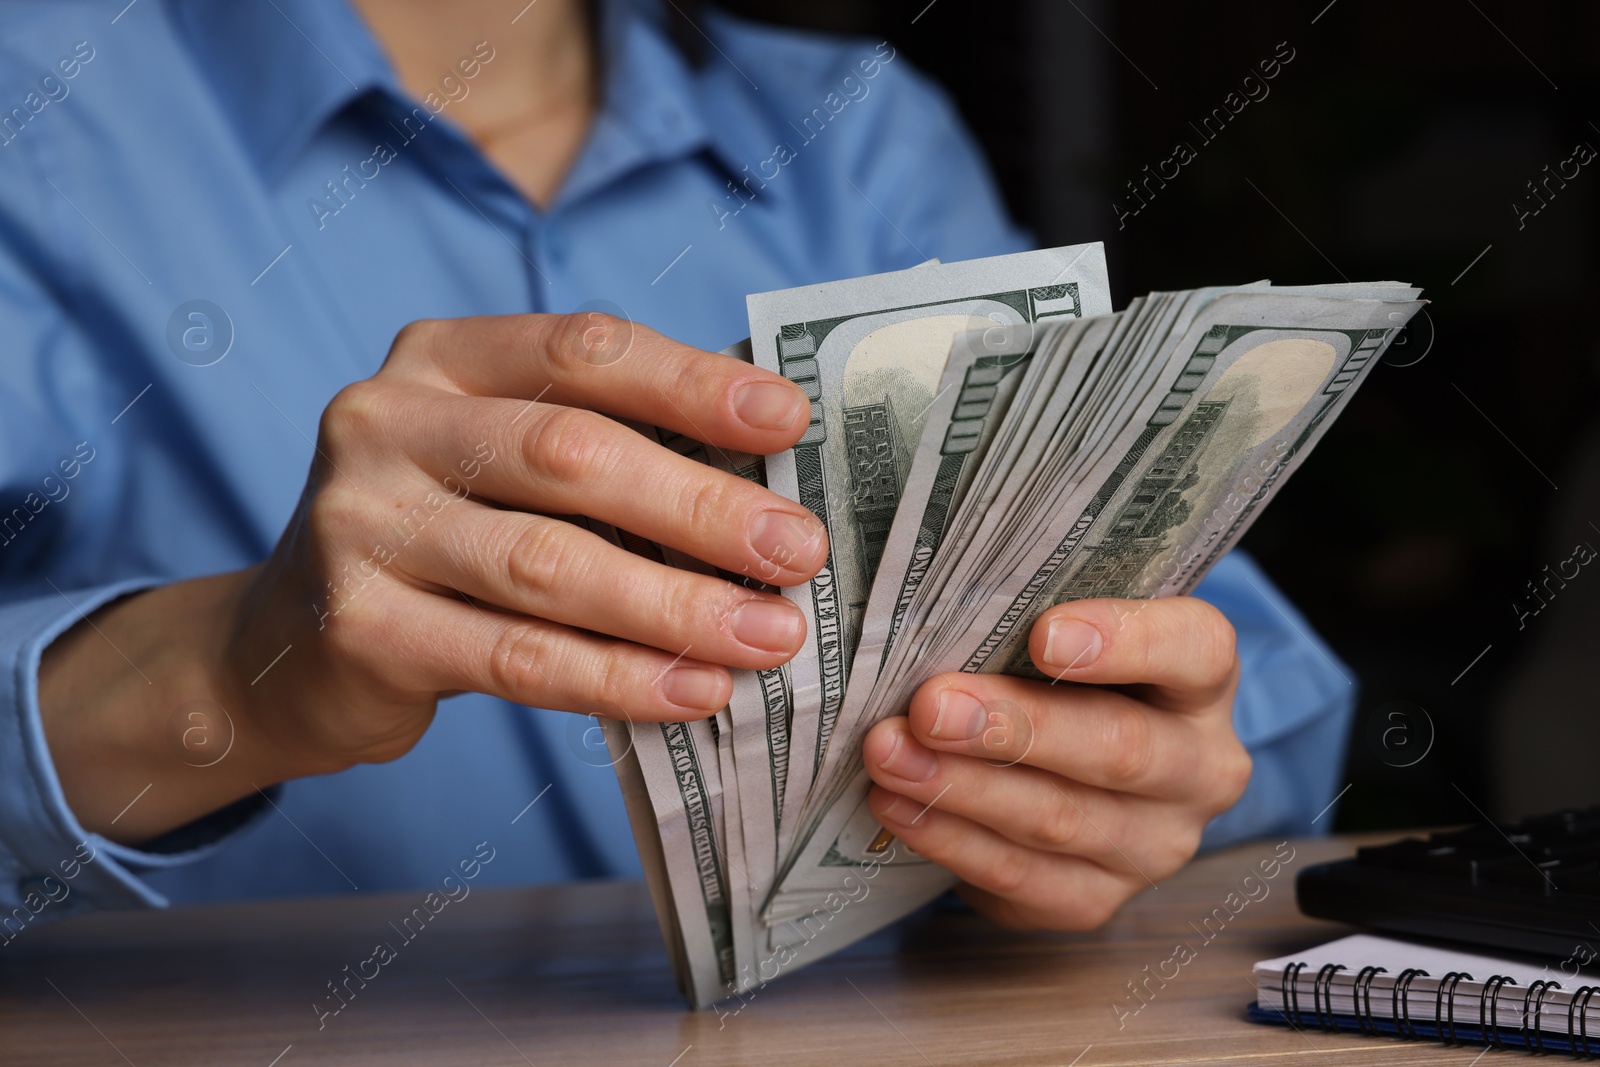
(987, 439)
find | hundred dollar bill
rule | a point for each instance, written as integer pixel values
(869, 353)
(985, 442)
(974, 394)
(677, 766)
(1014, 525)
(741, 889)
(684, 781)
(1258, 386)
(751, 743)
(1242, 395)
(618, 735)
(940, 535)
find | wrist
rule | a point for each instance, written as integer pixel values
(145, 728)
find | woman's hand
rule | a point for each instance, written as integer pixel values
(1057, 801)
(432, 552)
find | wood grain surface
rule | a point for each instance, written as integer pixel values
(575, 974)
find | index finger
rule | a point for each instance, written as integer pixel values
(596, 361)
(1180, 647)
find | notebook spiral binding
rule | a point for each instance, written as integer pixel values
(1291, 991)
(1444, 1014)
(1455, 978)
(1533, 1038)
(1322, 994)
(1402, 1007)
(1363, 993)
(1488, 1009)
(1583, 994)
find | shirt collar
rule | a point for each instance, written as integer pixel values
(282, 69)
(652, 108)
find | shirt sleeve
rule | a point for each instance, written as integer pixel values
(1293, 711)
(50, 866)
(1296, 700)
(53, 441)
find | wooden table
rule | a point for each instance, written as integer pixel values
(576, 974)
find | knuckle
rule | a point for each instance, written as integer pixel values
(568, 445)
(1128, 739)
(707, 505)
(1213, 640)
(336, 514)
(416, 340)
(539, 561)
(1007, 873)
(688, 607)
(1010, 732)
(353, 415)
(599, 332)
(514, 661)
(612, 690)
(1059, 825)
(1180, 848)
(568, 342)
(1233, 776)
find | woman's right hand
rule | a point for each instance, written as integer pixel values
(431, 554)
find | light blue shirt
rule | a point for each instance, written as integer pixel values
(260, 155)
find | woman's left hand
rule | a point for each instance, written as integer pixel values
(1055, 802)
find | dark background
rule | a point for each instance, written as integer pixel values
(1393, 145)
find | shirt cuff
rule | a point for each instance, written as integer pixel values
(50, 866)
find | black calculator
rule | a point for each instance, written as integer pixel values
(1531, 886)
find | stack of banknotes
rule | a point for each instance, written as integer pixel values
(987, 439)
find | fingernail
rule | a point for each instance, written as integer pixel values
(768, 405)
(1070, 644)
(788, 540)
(960, 718)
(772, 625)
(695, 687)
(902, 810)
(910, 760)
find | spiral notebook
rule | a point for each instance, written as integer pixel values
(1385, 988)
